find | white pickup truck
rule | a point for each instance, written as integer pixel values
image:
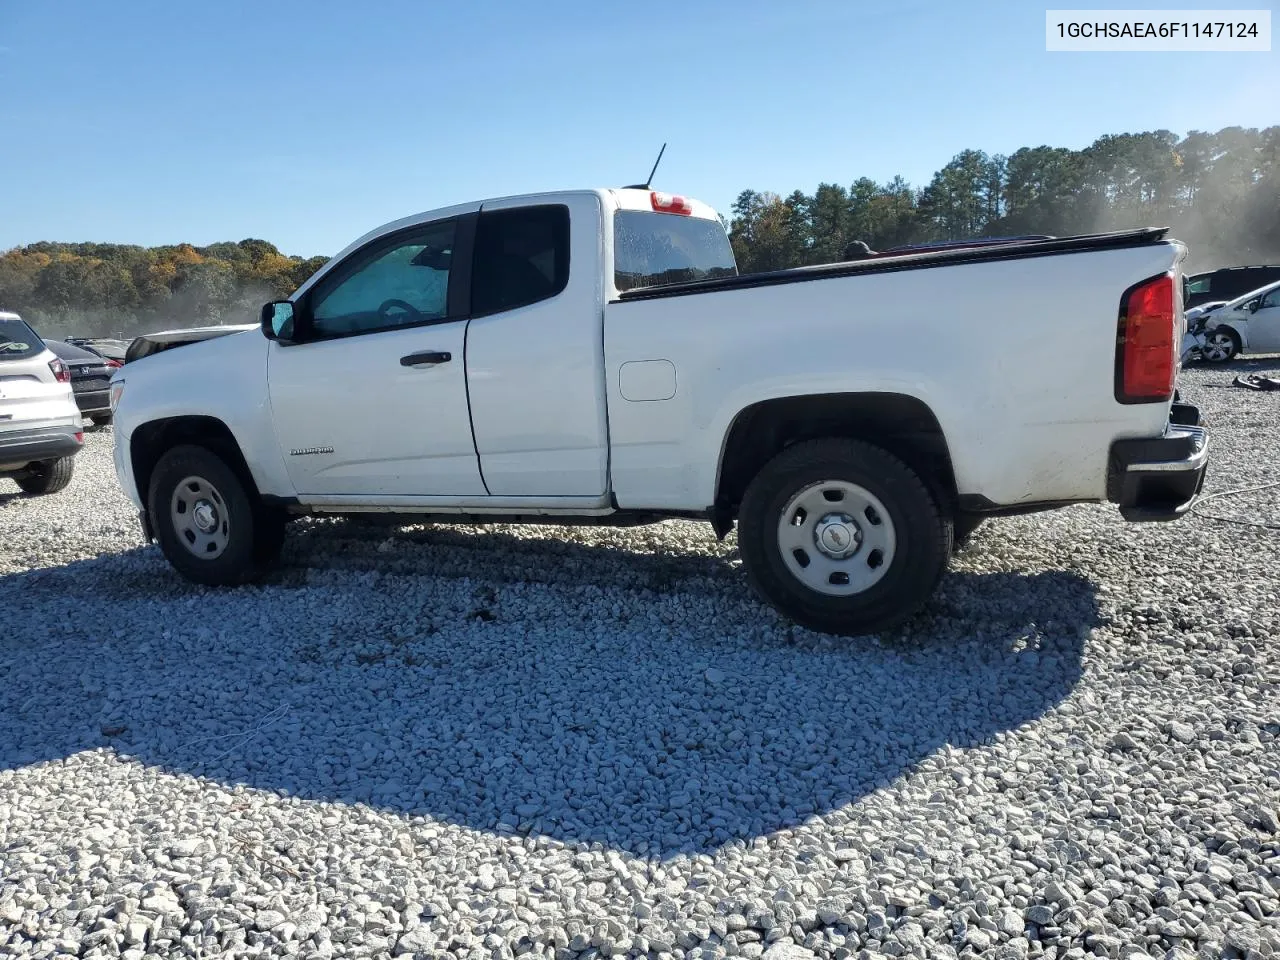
(595, 357)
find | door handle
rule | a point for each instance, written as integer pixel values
(426, 358)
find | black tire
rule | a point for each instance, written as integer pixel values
(46, 476)
(252, 535)
(1232, 349)
(963, 527)
(101, 419)
(923, 535)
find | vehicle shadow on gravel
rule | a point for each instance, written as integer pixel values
(522, 685)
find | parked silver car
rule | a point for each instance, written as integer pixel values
(90, 379)
(40, 424)
(1248, 324)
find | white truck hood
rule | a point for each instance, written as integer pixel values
(152, 343)
(201, 359)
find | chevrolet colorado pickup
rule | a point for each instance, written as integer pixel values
(595, 357)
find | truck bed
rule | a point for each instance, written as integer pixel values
(919, 261)
(1011, 348)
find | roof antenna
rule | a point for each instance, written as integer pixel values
(645, 185)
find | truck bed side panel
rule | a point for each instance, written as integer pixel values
(1015, 358)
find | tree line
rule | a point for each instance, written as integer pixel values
(1219, 192)
(119, 290)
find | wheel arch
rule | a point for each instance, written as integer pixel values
(151, 440)
(900, 423)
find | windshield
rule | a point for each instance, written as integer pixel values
(1240, 301)
(17, 340)
(656, 248)
(70, 352)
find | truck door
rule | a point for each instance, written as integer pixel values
(535, 354)
(371, 398)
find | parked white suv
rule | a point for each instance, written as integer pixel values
(40, 424)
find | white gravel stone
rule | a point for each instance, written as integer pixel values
(788, 951)
(568, 742)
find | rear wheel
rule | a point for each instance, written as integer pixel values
(1220, 345)
(101, 419)
(842, 537)
(209, 523)
(46, 476)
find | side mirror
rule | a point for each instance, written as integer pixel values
(277, 320)
(1252, 306)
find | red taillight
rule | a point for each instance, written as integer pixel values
(60, 371)
(1146, 354)
(670, 203)
(79, 436)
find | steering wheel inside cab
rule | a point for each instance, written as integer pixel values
(398, 311)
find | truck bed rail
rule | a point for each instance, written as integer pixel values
(918, 261)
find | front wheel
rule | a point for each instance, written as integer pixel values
(207, 520)
(843, 537)
(46, 476)
(1220, 345)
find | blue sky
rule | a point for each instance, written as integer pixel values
(307, 123)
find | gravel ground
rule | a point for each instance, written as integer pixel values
(553, 742)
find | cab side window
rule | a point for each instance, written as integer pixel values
(521, 258)
(403, 282)
(1272, 299)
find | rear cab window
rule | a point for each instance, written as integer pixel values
(652, 249)
(17, 340)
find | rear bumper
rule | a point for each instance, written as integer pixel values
(46, 442)
(94, 402)
(1158, 478)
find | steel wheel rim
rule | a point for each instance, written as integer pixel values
(836, 538)
(1218, 347)
(200, 518)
